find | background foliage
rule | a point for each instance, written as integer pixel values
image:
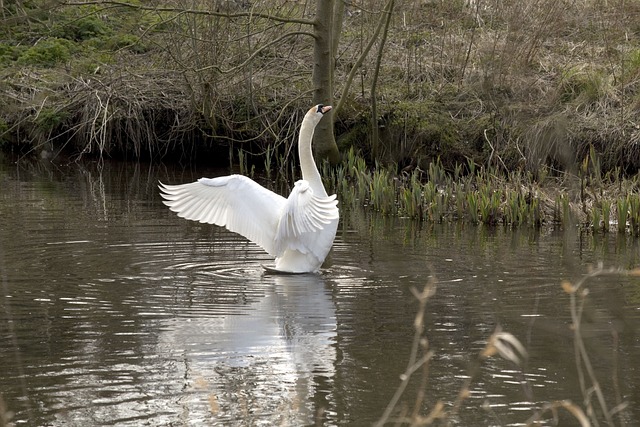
(512, 84)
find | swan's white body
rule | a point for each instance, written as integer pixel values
(298, 231)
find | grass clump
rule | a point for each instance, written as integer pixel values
(8, 53)
(583, 88)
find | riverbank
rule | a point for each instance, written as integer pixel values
(506, 85)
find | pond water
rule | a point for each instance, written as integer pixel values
(114, 311)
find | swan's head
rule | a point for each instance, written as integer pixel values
(318, 111)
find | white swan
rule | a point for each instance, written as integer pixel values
(298, 231)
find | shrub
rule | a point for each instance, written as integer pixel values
(126, 41)
(7, 53)
(50, 118)
(81, 29)
(47, 52)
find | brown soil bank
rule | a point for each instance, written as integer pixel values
(513, 85)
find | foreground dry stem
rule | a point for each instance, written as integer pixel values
(595, 408)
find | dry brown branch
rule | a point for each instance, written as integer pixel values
(256, 52)
(553, 407)
(229, 15)
(356, 66)
(419, 341)
(586, 372)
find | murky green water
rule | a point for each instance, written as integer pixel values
(113, 311)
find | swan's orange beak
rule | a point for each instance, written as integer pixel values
(326, 108)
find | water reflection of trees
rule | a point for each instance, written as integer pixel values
(75, 239)
(103, 276)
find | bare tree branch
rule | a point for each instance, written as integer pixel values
(250, 14)
(365, 52)
(254, 53)
(375, 137)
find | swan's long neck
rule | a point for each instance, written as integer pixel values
(310, 171)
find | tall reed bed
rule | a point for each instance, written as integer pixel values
(479, 195)
(469, 193)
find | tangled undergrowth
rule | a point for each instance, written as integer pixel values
(511, 85)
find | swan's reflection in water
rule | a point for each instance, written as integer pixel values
(270, 362)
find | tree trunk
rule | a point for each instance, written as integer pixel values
(323, 64)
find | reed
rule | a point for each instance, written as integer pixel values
(457, 172)
(595, 167)
(535, 213)
(515, 209)
(634, 213)
(489, 206)
(596, 219)
(412, 200)
(487, 197)
(436, 172)
(472, 208)
(267, 162)
(443, 206)
(329, 177)
(622, 205)
(460, 200)
(355, 164)
(471, 166)
(595, 399)
(383, 197)
(341, 183)
(363, 185)
(596, 406)
(606, 214)
(349, 160)
(435, 211)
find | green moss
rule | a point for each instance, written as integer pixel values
(418, 38)
(356, 136)
(427, 119)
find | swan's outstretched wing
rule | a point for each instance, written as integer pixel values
(235, 202)
(303, 218)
